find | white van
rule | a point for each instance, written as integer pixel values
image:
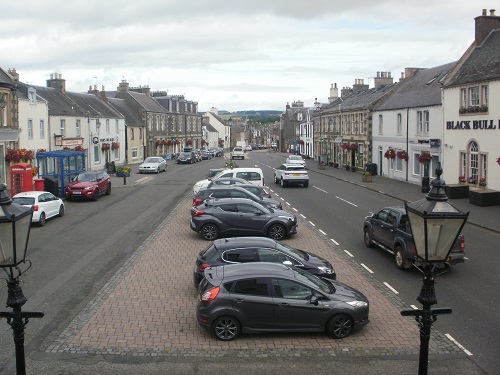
(253, 175)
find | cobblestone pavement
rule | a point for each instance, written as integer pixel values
(148, 308)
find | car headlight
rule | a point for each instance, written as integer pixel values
(89, 188)
(325, 270)
(357, 303)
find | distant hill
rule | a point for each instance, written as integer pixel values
(262, 116)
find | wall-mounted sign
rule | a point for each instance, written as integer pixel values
(435, 143)
(95, 140)
(472, 125)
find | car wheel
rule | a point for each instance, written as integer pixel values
(41, 220)
(61, 211)
(339, 326)
(399, 258)
(96, 195)
(158, 170)
(226, 328)
(367, 238)
(282, 182)
(276, 232)
(108, 190)
(276, 179)
(209, 232)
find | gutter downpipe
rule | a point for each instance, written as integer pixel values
(407, 140)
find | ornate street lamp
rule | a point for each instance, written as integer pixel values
(435, 225)
(15, 222)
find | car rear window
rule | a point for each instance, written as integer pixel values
(27, 201)
(249, 176)
(209, 252)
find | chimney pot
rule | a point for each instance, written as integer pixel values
(484, 12)
(492, 12)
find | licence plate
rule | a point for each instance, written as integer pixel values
(296, 174)
(77, 192)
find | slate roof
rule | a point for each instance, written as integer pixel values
(223, 122)
(146, 101)
(483, 63)
(361, 99)
(291, 113)
(422, 89)
(94, 106)
(209, 127)
(131, 117)
(6, 79)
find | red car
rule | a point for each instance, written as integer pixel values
(88, 185)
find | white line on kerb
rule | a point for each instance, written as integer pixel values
(320, 231)
(391, 288)
(324, 191)
(366, 268)
(312, 223)
(287, 203)
(302, 216)
(283, 199)
(458, 344)
(414, 307)
(335, 242)
(348, 253)
(355, 205)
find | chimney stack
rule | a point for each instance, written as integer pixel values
(57, 82)
(485, 24)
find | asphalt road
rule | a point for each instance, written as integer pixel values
(338, 209)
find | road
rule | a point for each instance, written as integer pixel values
(338, 208)
(73, 257)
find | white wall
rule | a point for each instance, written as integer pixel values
(36, 111)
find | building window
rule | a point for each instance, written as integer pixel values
(361, 152)
(463, 164)
(420, 120)
(484, 160)
(42, 129)
(117, 154)
(140, 133)
(484, 96)
(474, 160)
(380, 124)
(433, 165)
(399, 163)
(416, 165)
(133, 151)
(30, 129)
(463, 98)
(474, 96)
(132, 133)
(107, 126)
(78, 128)
(62, 128)
(426, 122)
(117, 126)
(97, 154)
(400, 124)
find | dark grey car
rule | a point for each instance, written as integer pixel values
(234, 191)
(240, 216)
(271, 297)
(258, 249)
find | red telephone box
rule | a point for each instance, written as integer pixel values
(21, 178)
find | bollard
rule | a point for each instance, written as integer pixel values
(124, 179)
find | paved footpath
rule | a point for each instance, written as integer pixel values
(143, 320)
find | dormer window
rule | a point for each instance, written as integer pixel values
(32, 95)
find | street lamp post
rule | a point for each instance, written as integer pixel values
(15, 222)
(435, 225)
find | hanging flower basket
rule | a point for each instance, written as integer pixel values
(16, 156)
(79, 148)
(462, 179)
(498, 161)
(66, 148)
(425, 157)
(34, 171)
(390, 153)
(41, 150)
(301, 142)
(158, 143)
(115, 145)
(353, 146)
(189, 142)
(203, 142)
(402, 155)
(169, 143)
(105, 147)
(343, 146)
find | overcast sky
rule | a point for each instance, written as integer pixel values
(232, 54)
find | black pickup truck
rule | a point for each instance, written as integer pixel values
(390, 229)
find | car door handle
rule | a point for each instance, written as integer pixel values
(239, 300)
(284, 304)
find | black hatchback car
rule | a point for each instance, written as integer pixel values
(271, 297)
(236, 250)
(234, 191)
(240, 216)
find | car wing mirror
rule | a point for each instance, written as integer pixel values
(314, 300)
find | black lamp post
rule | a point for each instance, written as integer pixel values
(435, 225)
(15, 222)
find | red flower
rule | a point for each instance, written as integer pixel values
(390, 153)
(424, 157)
(343, 146)
(402, 155)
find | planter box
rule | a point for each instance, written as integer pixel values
(367, 178)
(322, 166)
(484, 197)
(122, 174)
(457, 191)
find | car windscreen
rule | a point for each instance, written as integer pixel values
(86, 177)
(185, 154)
(26, 201)
(291, 250)
(318, 282)
(297, 168)
(152, 160)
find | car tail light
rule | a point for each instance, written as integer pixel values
(197, 212)
(203, 266)
(462, 244)
(414, 251)
(35, 207)
(211, 294)
(197, 202)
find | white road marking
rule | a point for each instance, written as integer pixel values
(302, 216)
(391, 288)
(414, 307)
(320, 231)
(335, 242)
(144, 179)
(287, 203)
(348, 253)
(366, 268)
(324, 191)
(457, 344)
(312, 223)
(355, 205)
(293, 208)
(283, 199)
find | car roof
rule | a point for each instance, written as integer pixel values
(293, 165)
(29, 194)
(218, 201)
(234, 242)
(252, 269)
